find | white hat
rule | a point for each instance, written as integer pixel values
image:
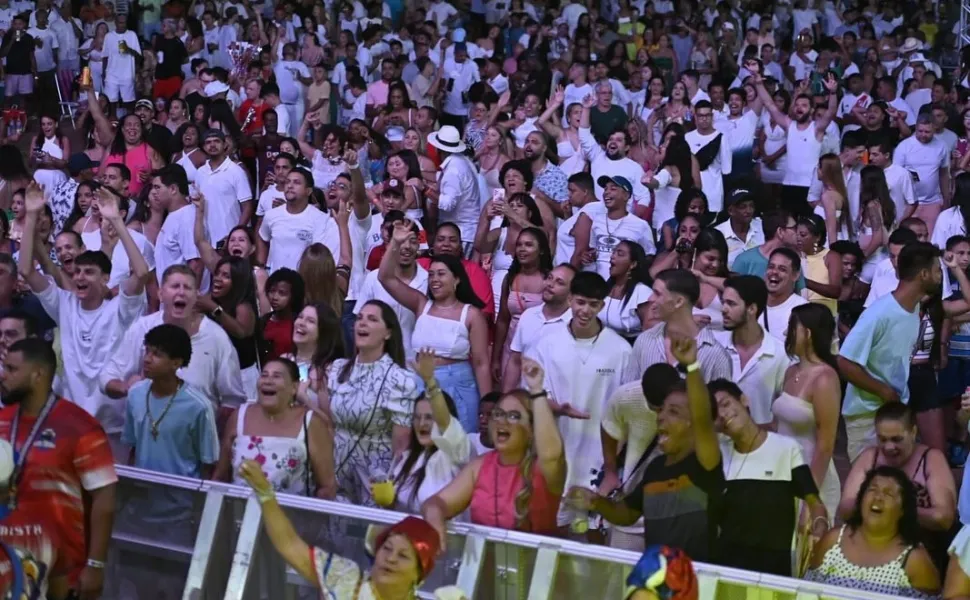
(394, 134)
(448, 139)
(911, 45)
(6, 462)
(214, 88)
(917, 57)
(458, 35)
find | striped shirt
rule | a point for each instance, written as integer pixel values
(650, 349)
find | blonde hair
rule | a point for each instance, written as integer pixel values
(319, 273)
(524, 497)
(830, 173)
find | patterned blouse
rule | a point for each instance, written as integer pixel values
(365, 408)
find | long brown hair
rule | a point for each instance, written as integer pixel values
(830, 173)
(393, 346)
(319, 272)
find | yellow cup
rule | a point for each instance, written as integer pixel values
(383, 493)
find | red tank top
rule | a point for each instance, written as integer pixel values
(493, 500)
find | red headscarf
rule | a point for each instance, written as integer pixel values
(423, 537)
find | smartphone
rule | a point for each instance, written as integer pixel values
(451, 85)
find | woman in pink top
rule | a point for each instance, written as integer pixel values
(519, 484)
(127, 146)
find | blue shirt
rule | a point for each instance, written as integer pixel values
(187, 437)
(552, 182)
(753, 262)
(882, 341)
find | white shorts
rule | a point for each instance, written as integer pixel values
(112, 89)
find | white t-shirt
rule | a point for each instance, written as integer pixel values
(372, 289)
(778, 316)
(585, 373)
(120, 67)
(175, 244)
(291, 90)
(620, 314)
(120, 265)
(712, 181)
(802, 68)
(606, 234)
(884, 281)
(88, 339)
(267, 198)
(565, 242)
(288, 235)
(900, 184)
(924, 161)
(224, 189)
(45, 54)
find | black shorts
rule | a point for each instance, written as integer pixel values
(923, 391)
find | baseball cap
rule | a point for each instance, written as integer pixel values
(79, 162)
(621, 182)
(738, 195)
(146, 103)
(214, 133)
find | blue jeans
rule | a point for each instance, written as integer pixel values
(458, 381)
(147, 29)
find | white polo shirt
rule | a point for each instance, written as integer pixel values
(762, 377)
(736, 245)
(534, 326)
(289, 234)
(224, 188)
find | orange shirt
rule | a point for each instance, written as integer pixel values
(69, 456)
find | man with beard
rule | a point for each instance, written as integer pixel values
(288, 230)
(91, 325)
(852, 147)
(758, 360)
(783, 272)
(67, 471)
(549, 183)
(601, 226)
(408, 271)
(538, 322)
(584, 363)
(804, 138)
(214, 368)
(875, 357)
(225, 185)
(926, 157)
(613, 161)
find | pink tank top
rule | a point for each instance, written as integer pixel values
(493, 500)
(137, 161)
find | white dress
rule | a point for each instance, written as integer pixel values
(285, 460)
(796, 419)
(775, 138)
(501, 263)
(50, 178)
(95, 63)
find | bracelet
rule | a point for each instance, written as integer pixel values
(431, 388)
(95, 564)
(693, 366)
(541, 394)
(823, 519)
(264, 497)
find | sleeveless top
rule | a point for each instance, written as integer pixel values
(188, 165)
(804, 148)
(245, 347)
(493, 499)
(571, 159)
(285, 460)
(816, 270)
(447, 337)
(137, 161)
(796, 419)
(888, 578)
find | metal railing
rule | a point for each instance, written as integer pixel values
(201, 540)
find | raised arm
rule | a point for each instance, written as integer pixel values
(831, 85)
(105, 129)
(452, 500)
(705, 437)
(34, 203)
(210, 258)
(769, 104)
(108, 205)
(410, 298)
(548, 440)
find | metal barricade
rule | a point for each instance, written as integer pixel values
(215, 549)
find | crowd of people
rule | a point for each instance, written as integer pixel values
(625, 273)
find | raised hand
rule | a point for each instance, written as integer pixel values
(108, 205)
(559, 96)
(34, 198)
(402, 231)
(342, 213)
(253, 474)
(423, 364)
(533, 375)
(831, 83)
(589, 101)
(351, 157)
(684, 350)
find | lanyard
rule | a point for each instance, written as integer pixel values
(20, 458)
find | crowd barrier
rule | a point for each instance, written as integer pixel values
(201, 540)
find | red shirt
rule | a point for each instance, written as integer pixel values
(29, 535)
(69, 456)
(255, 126)
(278, 333)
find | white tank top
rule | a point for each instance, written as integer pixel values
(804, 148)
(188, 165)
(447, 337)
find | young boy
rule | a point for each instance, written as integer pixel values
(354, 101)
(169, 424)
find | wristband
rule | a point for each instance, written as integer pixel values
(264, 497)
(95, 564)
(541, 394)
(693, 366)
(823, 519)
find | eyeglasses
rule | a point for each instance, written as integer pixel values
(512, 416)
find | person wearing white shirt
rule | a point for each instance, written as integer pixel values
(273, 195)
(584, 365)
(225, 186)
(288, 230)
(581, 193)
(742, 231)
(572, 12)
(460, 74)
(441, 13)
(214, 368)
(613, 161)
(175, 244)
(886, 90)
(7, 13)
(898, 180)
(291, 76)
(91, 325)
(850, 157)
(855, 95)
(884, 278)
(691, 80)
(121, 46)
(715, 162)
(927, 160)
(108, 240)
(69, 34)
(603, 225)
(45, 59)
(758, 360)
(459, 197)
(784, 269)
(409, 272)
(538, 322)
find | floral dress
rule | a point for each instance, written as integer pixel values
(285, 460)
(365, 408)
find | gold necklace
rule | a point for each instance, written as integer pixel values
(152, 423)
